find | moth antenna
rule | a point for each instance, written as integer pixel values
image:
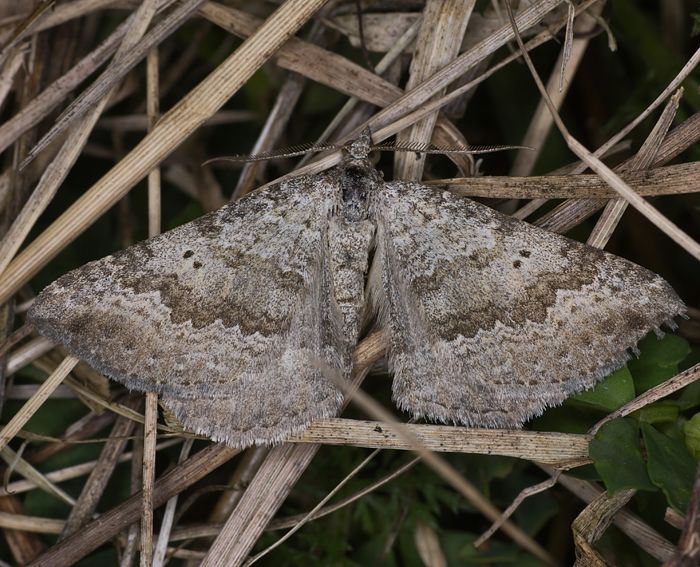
(423, 148)
(291, 151)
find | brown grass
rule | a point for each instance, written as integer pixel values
(43, 147)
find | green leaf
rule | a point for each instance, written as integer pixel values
(613, 392)
(535, 512)
(692, 435)
(696, 24)
(459, 549)
(670, 466)
(408, 552)
(690, 396)
(659, 412)
(100, 559)
(667, 351)
(372, 552)
(635, 27)
(617, 456)
(571, 417)
(647, 377)
(658, 360)
(484, 469)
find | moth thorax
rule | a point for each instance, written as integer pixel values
(357, 179)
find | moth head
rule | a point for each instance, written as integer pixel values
(360, 147)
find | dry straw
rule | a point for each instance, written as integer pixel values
(443, 74)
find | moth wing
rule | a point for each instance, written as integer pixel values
(491, 319)
(232, 305)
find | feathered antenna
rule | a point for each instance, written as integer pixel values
(291, 151)
(422, 148)
(418, 147)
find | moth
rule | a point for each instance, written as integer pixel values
(490, 320)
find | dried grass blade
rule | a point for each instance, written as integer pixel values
(148, 478)
(33, 524)
(440, 37)
(669, 180)
(290, 521)
(328, 68)
(663, 223)
(667, 388)
(426, 90)
(566, 215)
(150, 428)
(178, 123)
(309, 515)
(652, 214)
(648, 539)
(68, 473)
(22, 467)
(23, 546)
(568, 62)
(56, 93)
(109, 524)
(71, 149)
(590, 525)
(130, 53)
(612, 214)
(97, 481)
(508, 512)
(276, 122)
(169, 515)
(67, 11)
(438, 464)
(553, 448)
(276, 476)
(37, 400)
(401, 121)
(9, 70)
(396, 50)
(308, 60)
(25, 28)
(568, 42)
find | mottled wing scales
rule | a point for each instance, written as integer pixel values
(492, 320)
(229, 312)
